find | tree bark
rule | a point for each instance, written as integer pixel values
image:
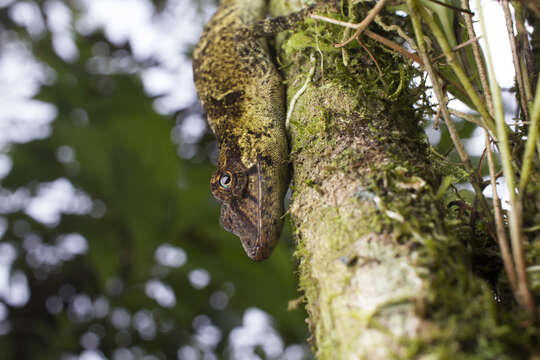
(387, 267)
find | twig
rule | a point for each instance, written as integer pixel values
(502, 239)
(481, 163)
(437, 117)
(515, 58)
(364, 24)
(334, 21)
(383, 40)
(525, 297)
(462, 45)
(389, 43)
(468, 117)
(392, 45)
(467, 11)
(438, 90)
(524, 50)
(478, 58)
(463, 78)
(475, 181)
(531, 141)
(372, 58)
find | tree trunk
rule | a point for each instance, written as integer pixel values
(387, 266)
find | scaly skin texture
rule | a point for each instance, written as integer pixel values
(241, 92)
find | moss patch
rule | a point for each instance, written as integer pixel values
(387, 248)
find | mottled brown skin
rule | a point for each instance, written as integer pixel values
(241, 91)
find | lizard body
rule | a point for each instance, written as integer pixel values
(241, 92)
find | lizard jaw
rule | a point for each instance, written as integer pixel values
(258, 234)
(262, 249)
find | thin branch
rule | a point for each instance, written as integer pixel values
(475, 180)
(437, 117)
(394, 46)
(460, 46)
(502, 239)
(478, 59)
(364, 24)
(441, 99)
(515, 58)
(372, 58)
(469, 117)
(390, 44)
(525, 297)
(531, 141)
(481, 163)
(525, 51)
(466, 10)
(463, 78)
(334, 21)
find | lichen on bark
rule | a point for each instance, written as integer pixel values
(388, 269)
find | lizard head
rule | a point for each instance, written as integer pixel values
(251, 205)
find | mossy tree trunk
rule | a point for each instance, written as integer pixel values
(388, 269)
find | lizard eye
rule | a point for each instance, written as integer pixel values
(225, 181)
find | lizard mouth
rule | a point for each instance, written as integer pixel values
(256, 245)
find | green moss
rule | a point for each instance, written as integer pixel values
(456, 298)
(311, 135)
(364, 130)
(465, 321)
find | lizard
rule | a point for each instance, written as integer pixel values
(241, 92)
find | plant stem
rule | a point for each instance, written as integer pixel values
(525, 297)
(463, 78)
(531, 141)
(390, 44)
(478, 58)
(515, 58)
(502, 239)
(364, 24)
(436, 86)
(475, 181)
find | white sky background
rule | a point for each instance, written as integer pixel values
(164, 38)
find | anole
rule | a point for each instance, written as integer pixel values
(242, 94)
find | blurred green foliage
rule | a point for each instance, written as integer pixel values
(144, 195)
